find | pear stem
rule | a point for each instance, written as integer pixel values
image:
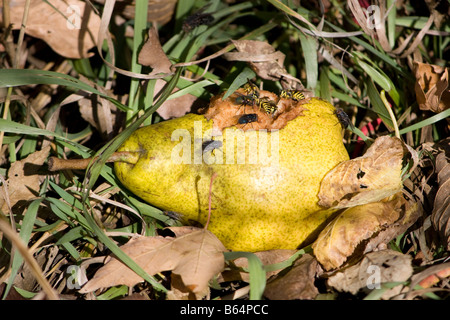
(56, 164)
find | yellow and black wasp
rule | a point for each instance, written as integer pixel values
(251, 89)
(267, 105)
(292, 94)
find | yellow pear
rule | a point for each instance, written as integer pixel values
(264, 192)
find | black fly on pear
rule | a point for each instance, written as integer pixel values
(344, 119)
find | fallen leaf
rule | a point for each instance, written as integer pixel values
(432, 87)
(268, 257)
(174, 108)
(374, 269)
(440, 216)
(100, 113)
(179, 291)
(411, 211)
(153, 55)
(264, 60)
(369, 178)
(23, 179)
(69, 27)
(296, 283)
(160, 12)
(195, 256)
(339, 239)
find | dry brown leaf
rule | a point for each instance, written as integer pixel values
(159, 11)
(264, 60)
(432, 87)
(68, 27)
(369, 178)
(375, 268)
(440, 216)
(99, 112)
(297, 283)
(339, 239)
(267, 258)
(153, 55)
(23, 179)
(195, 256)
(174, 108)
(411, 211)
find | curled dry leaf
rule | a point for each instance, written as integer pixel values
(375, 268)
(369, 178)
(68, 27)
(339, 239)
(153, 55)
(195, 256)
(440, 216)
(264, 60)
(432, 88)
(23, 179)
(297, 283)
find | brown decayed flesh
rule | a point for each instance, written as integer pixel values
(226, 113)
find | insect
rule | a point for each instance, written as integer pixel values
(292, 94)
(211, 145)
(197, 19)
(267, 105)
(248, 118)
(251, 89)
(343, 118)
(243, 100)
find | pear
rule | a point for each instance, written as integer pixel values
(261, 185)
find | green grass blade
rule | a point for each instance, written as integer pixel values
(22, 77)
(429, 121)
(25, 234)
(140, 26)
(239, 81)
(256, 272)
(377, 104)
(324, 81)
(309, 48)
(287, 263)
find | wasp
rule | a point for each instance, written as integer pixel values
(292, 94)
(248, 118)
(251, 89)
(267, 105)
(343, 118)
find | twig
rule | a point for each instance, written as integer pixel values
(56, 164)
(29, 259)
